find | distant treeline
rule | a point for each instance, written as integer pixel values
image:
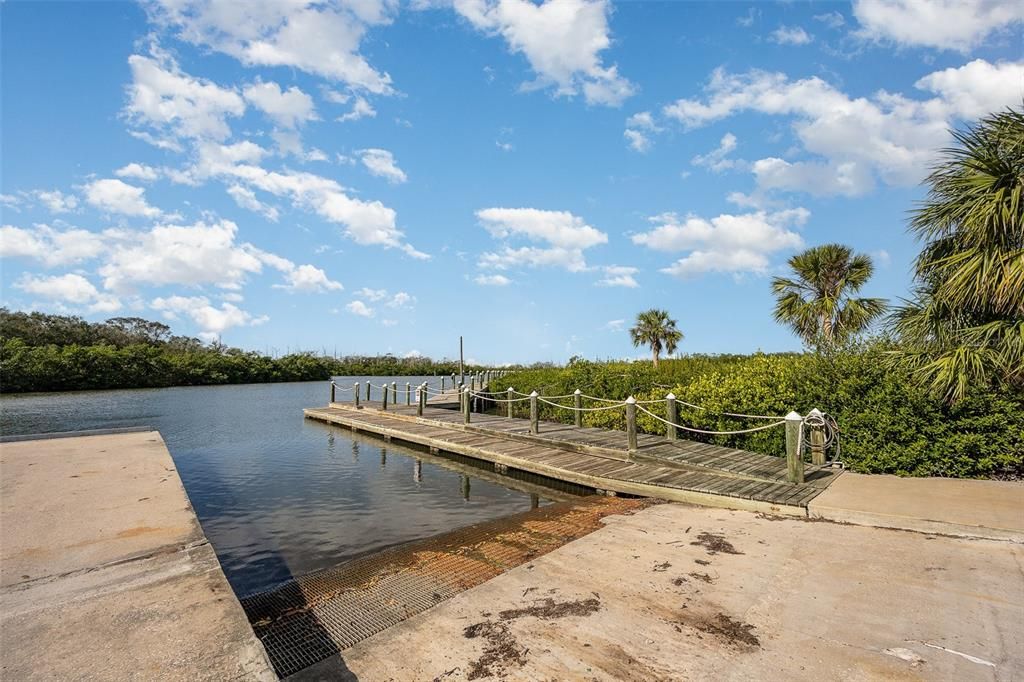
(43, 352)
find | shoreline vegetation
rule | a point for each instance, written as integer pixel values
(41, 352)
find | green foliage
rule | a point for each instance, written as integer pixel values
(888, 423)
(41, 352)
(656, 329)
(965, 325)
(819, 303)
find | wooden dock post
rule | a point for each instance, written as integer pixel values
(577, 401)
(472, 382)
(384, 398)
(534, 418)
(355, 392)
(332, 390)
(421, 399)
(816, 436)
(631, 424)
(465, 406)
(367, 390)
(394, 392)
(442, 383)
(509, 403)
(672, 432)
(408, 393)
(794, 462)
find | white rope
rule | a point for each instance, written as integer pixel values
(712, 433)
(582, 409)
(499, 400)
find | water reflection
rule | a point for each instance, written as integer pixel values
(275, 493)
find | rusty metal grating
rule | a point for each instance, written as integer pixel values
(311, 618)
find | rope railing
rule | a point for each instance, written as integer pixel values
(824, 431)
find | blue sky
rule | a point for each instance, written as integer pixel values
(376, 176)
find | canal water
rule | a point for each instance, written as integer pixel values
(278, 495)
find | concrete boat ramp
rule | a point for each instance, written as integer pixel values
(105, 573)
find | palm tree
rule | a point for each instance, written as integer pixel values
(654, 328)
(966, 322)
(819, 304)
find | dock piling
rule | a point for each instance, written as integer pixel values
(577, 401)
(672, 433)
(631, 424)
(332, 390)
(394, 392)
(509, 403)
(384, 399)
(534, 418)
(355, 392)
(367, 390)
(408, 393)
(794, 462)
(816, 436)
(465, 405)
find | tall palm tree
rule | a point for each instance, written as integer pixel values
(966, 322)
(819, 303)
(654, 328)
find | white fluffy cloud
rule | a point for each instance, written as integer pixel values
(176, 104)
(211, 320)
(561, 39)
(854, 141)
(246, 198)
(400, 299)
(381, 162)
(56, 201)
(639, 129)
(361, 108)
(50, 246)
(726, 243)
(308, 279)
(718, 159)
(359, 308)
(492, 280)
(70, 289)
(945, 24)
(114, 196)
(618, 276)
(790, 35)
(138, 171)
(321, 38)
(565, 237)
(288, 108)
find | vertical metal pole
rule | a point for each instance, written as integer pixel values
(355, 392)
(408, 393)
(673, 416)
(465, 406)
(794, 462)
(577, 414)
(534, 419)
(631, 423)
(509, 403)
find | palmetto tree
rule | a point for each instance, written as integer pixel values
(966, 323)
(654, 328)
(819, 303)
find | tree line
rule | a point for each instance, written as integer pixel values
(42, 352)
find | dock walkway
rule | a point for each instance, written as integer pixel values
(679, 470)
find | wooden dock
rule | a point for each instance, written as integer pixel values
(679, 470)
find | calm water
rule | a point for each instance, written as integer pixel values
(278, 495)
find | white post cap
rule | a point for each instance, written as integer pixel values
(814, 413)
(630, 400)
(670, 396)
(577, 392)
(510, 389)
(794, 417)
(534, 394)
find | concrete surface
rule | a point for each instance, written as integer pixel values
(970, 508)
(679, 592)
(105, 572)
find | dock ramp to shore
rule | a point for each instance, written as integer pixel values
(677, 470)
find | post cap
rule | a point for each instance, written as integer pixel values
(670, 396)
(631, 400)
(815, 413)
(577, 392)
(510, 389)
(794, 417)
(466, 389)
(534, 394)
(357, 383)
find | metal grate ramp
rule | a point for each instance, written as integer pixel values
(311, 618)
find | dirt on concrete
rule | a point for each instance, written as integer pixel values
(726, 628)
(715, 544)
